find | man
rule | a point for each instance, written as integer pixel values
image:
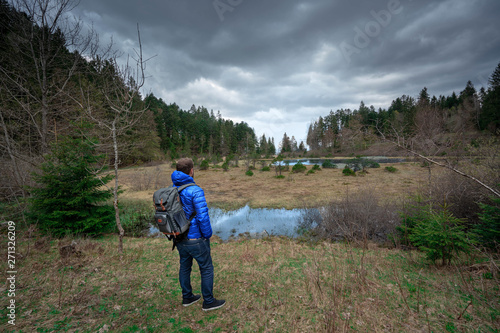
(197, 242)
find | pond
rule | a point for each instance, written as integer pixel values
(341, 162)
(253, 222)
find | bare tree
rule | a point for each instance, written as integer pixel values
(399, 140)
(119, 87)
(43, 50)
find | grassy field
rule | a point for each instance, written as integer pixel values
(232, 189)
(271, 285)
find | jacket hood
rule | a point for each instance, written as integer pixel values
(179, 178)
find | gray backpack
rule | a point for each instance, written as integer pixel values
(169, 215)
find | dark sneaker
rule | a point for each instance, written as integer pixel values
(218, 303)
(192, 300)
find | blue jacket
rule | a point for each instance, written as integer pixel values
(193, 200)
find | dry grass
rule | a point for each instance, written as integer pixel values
(233, 189)
(271, 285)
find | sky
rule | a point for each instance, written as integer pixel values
(279, 65)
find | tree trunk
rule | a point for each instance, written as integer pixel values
(115, 190)
(17, 173)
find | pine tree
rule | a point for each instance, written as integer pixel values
(69, 198)
(286, 144)
(490, 116)
(494, 80)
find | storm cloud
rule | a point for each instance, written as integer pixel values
(278, 65)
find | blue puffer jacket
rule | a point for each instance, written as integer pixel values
(193, 199)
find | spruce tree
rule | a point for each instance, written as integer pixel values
(68, 198)
(490, 117)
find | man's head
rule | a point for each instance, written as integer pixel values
(185, 165)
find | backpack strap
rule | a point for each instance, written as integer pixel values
(182, 187)
(179, 189)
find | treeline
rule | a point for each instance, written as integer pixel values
(422, 118)
(56, 82)
(196, 132)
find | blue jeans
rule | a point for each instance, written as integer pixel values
(198, 249)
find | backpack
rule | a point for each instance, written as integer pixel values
(169, 214)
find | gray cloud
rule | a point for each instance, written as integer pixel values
(280, 64)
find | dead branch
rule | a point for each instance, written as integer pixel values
(430, 160)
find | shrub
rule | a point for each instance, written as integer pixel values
(316, 167)
(310, 172)
(361, 163)
(412, 214)
(348, 171)
(357, 216)
(441, 235)
(329, 165)
(266, 168)
(136, 218)
(299, 167)
(249, 173)
(280, 176)
(69, 198)
(391, 169)
(204, 165)
(225, 166)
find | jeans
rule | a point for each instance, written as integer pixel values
(198, 249)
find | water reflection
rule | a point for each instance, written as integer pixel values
(254, 222)
(341, 162)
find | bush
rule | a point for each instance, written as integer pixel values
(225, 166)
(316, 167)
(136, 218)
(69, 198)
(280, 176)
(299, 167)
(204, 165)
(360, 163)
(310, 172)
(488, 229)
(249, 173)
(357, 216)
(391, 169)
(328, 165)
(348, 171)
(266, 168)
(441, 235)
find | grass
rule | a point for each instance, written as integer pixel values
(233, 189)
(271, 285)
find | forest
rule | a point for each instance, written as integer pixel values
(410, 247)
(445, 120)
(57, 82)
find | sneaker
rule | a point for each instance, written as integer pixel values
(192, 300)
(218, 303)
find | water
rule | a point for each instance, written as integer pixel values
(253, 222)
(341, 162)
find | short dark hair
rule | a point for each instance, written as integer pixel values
(185, 165)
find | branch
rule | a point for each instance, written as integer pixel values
(489, 188)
